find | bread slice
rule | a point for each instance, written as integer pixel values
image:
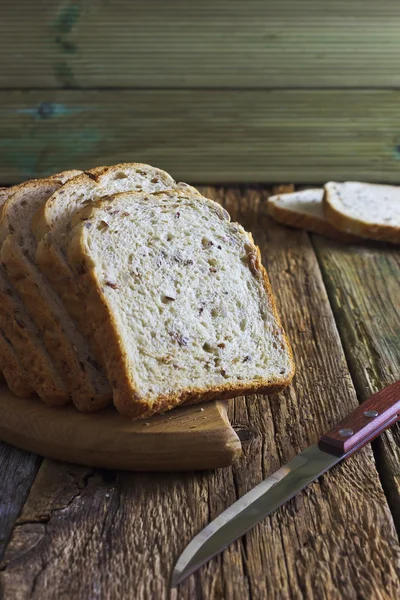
(51, 226)
(10, 365)
(365, 209)
(304, 209)
(180, 299)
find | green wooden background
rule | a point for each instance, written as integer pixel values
(211, 90)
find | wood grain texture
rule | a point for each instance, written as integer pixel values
(18, 470)
(363, 284)
(184, 439)
(205, 135)
(228, 43)
(86, 533)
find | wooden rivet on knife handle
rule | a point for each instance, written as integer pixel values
(365, 423)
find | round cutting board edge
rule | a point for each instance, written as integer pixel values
(188, 438)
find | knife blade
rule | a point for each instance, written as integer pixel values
(361, 426)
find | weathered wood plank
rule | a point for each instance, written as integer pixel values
(224, 43)
(17, 472)
(363, 284)
(90, 534)
(205, 135)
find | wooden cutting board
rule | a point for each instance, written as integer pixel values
(195, 437)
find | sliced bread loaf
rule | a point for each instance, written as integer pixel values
(14, 374)
(179, 297)
(364, 209)
(304, 209)
(15, 321)
(52, 225)
(67, 348)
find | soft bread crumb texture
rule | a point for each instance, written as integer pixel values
(365, 209)
(372, 203)
(61, 208)
(187, 295)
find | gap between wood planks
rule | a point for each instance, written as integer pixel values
(224, 43)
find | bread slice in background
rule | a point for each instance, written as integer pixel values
(364, 209)
(304, 209)
(51, 226)
(178, 296)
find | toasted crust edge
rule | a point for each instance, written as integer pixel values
(308, 222)
(357, 227)
(126, 402)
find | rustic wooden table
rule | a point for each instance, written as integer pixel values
(73, 532)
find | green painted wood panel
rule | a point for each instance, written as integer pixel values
(205, 136)
(212, 43)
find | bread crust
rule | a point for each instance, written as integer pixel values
(127, 401)
(358, 227)
(310, 223)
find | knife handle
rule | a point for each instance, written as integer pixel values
(365, 423)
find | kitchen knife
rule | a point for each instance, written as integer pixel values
(361, 426)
